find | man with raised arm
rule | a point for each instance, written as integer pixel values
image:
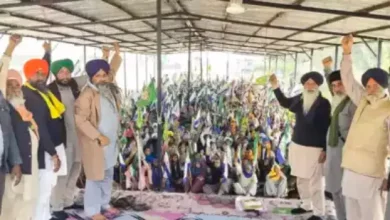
(343, 110)
(10, 159)
(67, 89)
(97, 121)
(365, 150)
(307, 151)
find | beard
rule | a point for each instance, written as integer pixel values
(309, 97)
(336, 100)
(40, 85)
(16, 98)
(375, 97)
(63, 82)
(108, 89)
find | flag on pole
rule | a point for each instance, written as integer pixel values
(148, 95)
(187, 167)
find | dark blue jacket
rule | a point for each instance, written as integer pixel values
(23, 139)
(311, 128)
(50, 130)
(11, 156)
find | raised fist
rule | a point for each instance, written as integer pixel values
(15, 39)
(347, 44)
(47, 46)
(327, 62)
(274, 81)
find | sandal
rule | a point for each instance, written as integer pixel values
(99, 217)
(111, 213)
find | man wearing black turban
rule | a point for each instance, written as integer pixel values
(365, 150)
(343, 111)
(307, 151)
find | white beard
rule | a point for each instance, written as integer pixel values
(308, 99)
(336, 100)
(376, 97)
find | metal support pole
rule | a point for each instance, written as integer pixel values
(227, 66)
(125, 71)
(284, 68)
(311, 59)
(380, 43)
(189, 69)
(154, 66)
(265, 65)
(269, 64)
(295, 68)
(85, 54)
(207, 66)
(159, 79)
(201, 62)
(276, 64)
(146, 71)
(136, 73)
(336, 57)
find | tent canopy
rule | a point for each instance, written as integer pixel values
(274, 27)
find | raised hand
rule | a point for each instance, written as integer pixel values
(117, 48)
(274, 81)
(15, 39)
(327, 62)
(347, 43)
(106, 52)
(47, 46)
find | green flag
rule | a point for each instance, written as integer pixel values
(148, 96)
(262, 80)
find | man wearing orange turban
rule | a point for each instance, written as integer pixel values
(48, 114)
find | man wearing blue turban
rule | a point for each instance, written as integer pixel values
(97, 120)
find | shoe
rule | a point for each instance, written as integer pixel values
(74, 206)
(314, 217)
(299, 211)
(60, 215)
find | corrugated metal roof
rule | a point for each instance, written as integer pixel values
(281, 26)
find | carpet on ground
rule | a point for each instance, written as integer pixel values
(180, 206)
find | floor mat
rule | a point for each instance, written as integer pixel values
(179, 206)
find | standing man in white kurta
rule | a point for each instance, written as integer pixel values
(365, 150)
(343, 111)
(307, 152)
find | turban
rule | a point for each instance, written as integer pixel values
(334, 76)
(380, 76)
(93, 66)
(32, 66)
(315, 76)
(59, 64)
(15, 75)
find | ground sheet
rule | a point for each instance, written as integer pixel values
(179, 206)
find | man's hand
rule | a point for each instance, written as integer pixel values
(106, 52)
(56, 163)
(15, 39)
(103, 140)
(47, 46)
(16, 174)
(347, 44)
(322, 157)
(274, 81)
(117, 48)
(327, 62)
